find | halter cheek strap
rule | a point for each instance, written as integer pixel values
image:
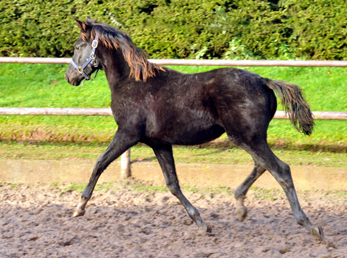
(91, 60)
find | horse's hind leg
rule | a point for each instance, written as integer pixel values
(167, 164)
(119, 144)
(281, 172)
(241, 191)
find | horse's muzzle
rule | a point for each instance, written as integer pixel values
(73, 82)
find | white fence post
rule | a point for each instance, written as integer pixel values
(125, 165)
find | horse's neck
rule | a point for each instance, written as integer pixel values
(115, 67)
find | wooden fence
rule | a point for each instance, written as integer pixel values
(125, 158)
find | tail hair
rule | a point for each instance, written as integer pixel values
(294, 104)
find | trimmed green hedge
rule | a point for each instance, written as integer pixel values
(235, 29)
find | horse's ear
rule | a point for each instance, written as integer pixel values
(81, 25)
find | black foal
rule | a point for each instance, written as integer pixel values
(161, 107)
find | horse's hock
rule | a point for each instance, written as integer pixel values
(198, 175)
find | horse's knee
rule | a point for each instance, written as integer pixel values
(100, 166)
(286, 168)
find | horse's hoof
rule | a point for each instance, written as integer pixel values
(203, 226)
(78, 213)
(241, 213)
(208, 228)
(318, 232)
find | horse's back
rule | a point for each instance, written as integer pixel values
(231, 91)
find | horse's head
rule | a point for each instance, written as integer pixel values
(84, 61)
(89, 57)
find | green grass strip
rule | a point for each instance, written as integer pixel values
(60, 137)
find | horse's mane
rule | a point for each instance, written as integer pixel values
(111, 37)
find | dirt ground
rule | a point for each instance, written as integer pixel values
(121, 221)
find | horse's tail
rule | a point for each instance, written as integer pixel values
(294, 104)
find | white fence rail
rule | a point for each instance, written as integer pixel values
(107, 112)
(194, 62)
(125, 158)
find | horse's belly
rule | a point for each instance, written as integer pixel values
(195, 136)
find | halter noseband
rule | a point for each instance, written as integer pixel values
(91, 60)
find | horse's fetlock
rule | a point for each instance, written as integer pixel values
(85, 197)
(302, 220)
(239, 196)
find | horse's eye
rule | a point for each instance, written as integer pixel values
(77, 48)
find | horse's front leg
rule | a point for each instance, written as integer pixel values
(167, 164)
(119, 144)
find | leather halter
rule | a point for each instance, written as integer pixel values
(90, 60)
